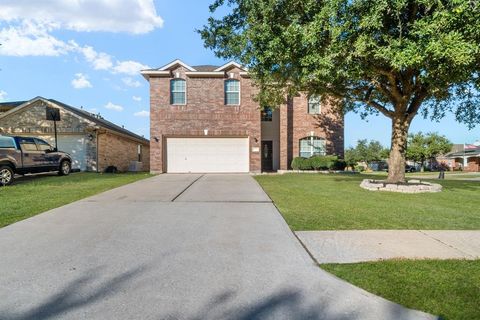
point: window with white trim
(314, 104)
(178, 91)
(312, 146)
(232, 92)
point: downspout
(97, 134)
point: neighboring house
(464, 157)
(204, 119)
(93, 142)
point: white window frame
(225, 92)
(314, 99)
(172, 92)
(312, 152)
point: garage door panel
(75, 146)
(207, 155)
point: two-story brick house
(205, 119)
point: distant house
(464, 157)
(93, 142)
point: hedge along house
(205, 119)
(93, 142)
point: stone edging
(412, 186)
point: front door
(267, 159)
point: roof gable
(86, 116)
(229, 65)
(174, 63)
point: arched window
(314, 104)
(232, 92)
(312, 146)
(178, 91)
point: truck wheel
(65, 168)
(6, 175)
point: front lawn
(449, 288)
(24, 199)
(336, 202)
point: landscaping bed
(336, 202)
(41, 193)
(448, 288)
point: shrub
(318, 162)
(360, 168)
(300, 163)
(338, 164)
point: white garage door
(74, 145)
(207, 155)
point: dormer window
(178, 92)
(314, 104)
(232, 92)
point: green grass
(336, 202)
(24, 199)
(449, 288)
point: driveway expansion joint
(183, 191)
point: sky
(89, 53)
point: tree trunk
(396, 162)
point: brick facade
(296, 123)
(115, 150)
(75, 134)
(205, 110)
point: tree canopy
(422, 147)
(365, 151)
(393, 57)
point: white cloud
(30, 39)
(136, 98)
(131, 16)
(99, 61)
(27, 30)
(3, 95)
(113, 107)
(131, 82)
(129, 67)
(81, 81)
(142, 113)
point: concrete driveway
(172, 247)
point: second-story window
(267, 114)
(232, 92)
(314, 104)
(178, 94)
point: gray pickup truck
(21, 155)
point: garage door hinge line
(191, 184)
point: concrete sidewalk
(352, 246)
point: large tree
(398, 58)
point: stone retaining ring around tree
(412, 186)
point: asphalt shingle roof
(205, 68)
(81, 113)
(99, 121)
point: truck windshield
(7, 143)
